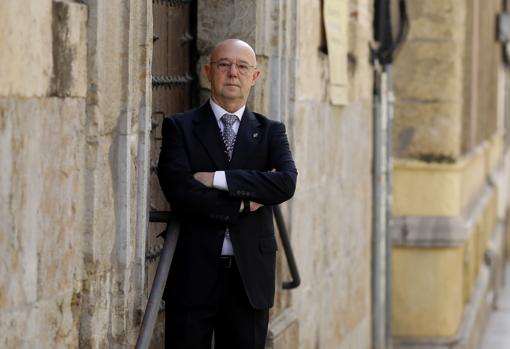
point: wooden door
(173, 89)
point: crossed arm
(193, 193)
(207, 179)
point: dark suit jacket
(192, 143)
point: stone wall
(482, 68)
(42, 139)
(74, 111)
(331, 211)
(428, 82)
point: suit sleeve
(183, 192)
(267, 187)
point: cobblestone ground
(497, 335)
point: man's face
(231, 73)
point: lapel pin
(255, 135)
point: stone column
(447, 156)
(116, 172)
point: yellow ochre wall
(449, 173)
(431, 285)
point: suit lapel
(248, 136)
(207, 131)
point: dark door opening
(173, 90)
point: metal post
(389, 200)
(379, 211)
(289, 254)
(158, 286)
(381, 262)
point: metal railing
(171, 235)
(287, 248)
(158, 285)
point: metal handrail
(165, 261)
(158, 285)
(289, 254)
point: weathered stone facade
(75, 119)
(73, 131)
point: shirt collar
(219, 111)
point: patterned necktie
(229, 136)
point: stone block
(45, 324)
(333, 307)
(311, 84)
(302, 236)
(426, 190)
(469, 270)
(331, 284)
(307, 308)
(302, 136)
(474, 175)
(42, 216)
(427, 129)
(26, 57)
(107, 68)
(95, 311)
(474, 320)
(427, 294)
(224, 19)
(438, 189)
(437, 19)
(11, 293)
(69, 49)
(61, 208)
(429, 71)
(359, 336)
(261, 92)
(100, 227)
(283, 331)
(361, 82)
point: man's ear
(207, 71)
(255, 76)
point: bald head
(232, 71)
(234, 44)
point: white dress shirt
(219, 180)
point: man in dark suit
(222, 168)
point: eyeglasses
(225, 66)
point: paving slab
(497, 334)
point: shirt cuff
(220, 181)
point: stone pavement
(497, 334)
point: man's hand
(254, 206)
(206, 178)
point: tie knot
(228, 119)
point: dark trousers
(236, 325)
